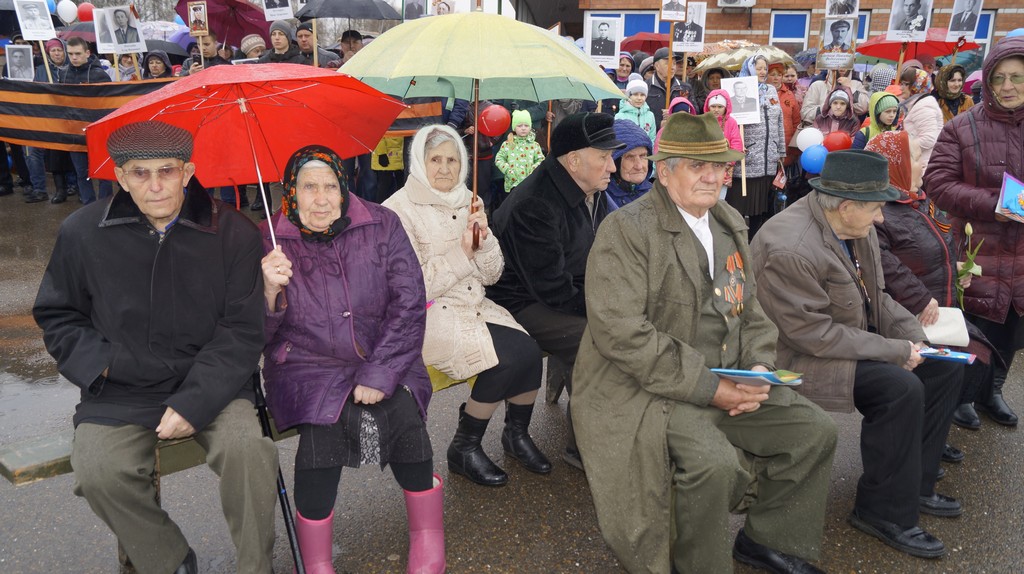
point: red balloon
(836, 141)
(85, 12)
(494, 121)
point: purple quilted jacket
(353, 313)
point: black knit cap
(307, 26)
(582, 130)
(149, 140)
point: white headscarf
(460, 194)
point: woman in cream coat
(467, 334)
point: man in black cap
(668, 300)
(656, 85)
(819, 277)
(152, 304)
(304, 37)
(545, 229)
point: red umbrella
(84, 30)
(935, 45)
(247, 121)
(645, 41)
(231, 20)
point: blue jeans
(36, 159)
(85, 190)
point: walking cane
(282, 493)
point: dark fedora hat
(695, 137)
(856, 174)
(583, 130)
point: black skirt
(389, 431)
(760, 194)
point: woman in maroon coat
(964, 177)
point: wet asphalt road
(536, 524)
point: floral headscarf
(922, 83)
(290, 203)
(750, 69)
(895, 146)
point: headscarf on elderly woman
(467, 334)
(344, 327)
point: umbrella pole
(46, 62)
(476, 153)
(899, 65)
(259, 177)
(743, 168)
(550, 124)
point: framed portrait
(19, 63)
(414, 9)
(964, 21)
(602, 36)
(909, 20)
(837, 43)
(673, 11)
(841, 8)
(117, 31)
(198, 22)
(743, 92)
(442, 7)
(34, 20)
(688, 36)
(277, 10)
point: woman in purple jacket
(345, 321)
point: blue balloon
(52, 6)
(1017, 32)
(813, 158)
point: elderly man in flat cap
(669, 298)
(152, 304)
(545, 229)
(819, 270)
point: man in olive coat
(668, 299)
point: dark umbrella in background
(362, 9)
(83, 30)
(171, 48)
(230, 20)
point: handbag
(781, 179)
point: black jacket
(656, 95)
(545, 231)
(179, 322)
(89, 73)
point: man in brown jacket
(820, 280)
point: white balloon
(809, 137)
(67, 11)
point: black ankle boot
(61, 195)
(965, 417)
(467, 457)
(189, 565)
(990, 401)
(516, 441)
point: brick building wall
(755, 26)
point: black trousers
(906, 419)
(518, 369)
(1007, 337)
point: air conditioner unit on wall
(737, 3)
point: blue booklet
(948, 355)
(1011, 199)
(787, 378)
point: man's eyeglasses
(140, 175)
(997, 81)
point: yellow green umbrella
(441, 56)
(733, 60)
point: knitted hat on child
(636, 86)
(520, 117)
(839, 95)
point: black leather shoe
(914, 540)
(189, 566)
(966, 417)
(59, 197)
(36, 197)
(940, 505)
(467, 457)
(518, 443)
(5, 190)
(760, 556)
(257, 204)
(997, 410)
(952, 454)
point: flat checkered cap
(149, 140)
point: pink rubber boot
(426, 529)
(315, 540)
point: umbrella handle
(476, 153)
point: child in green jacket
(520, 154)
